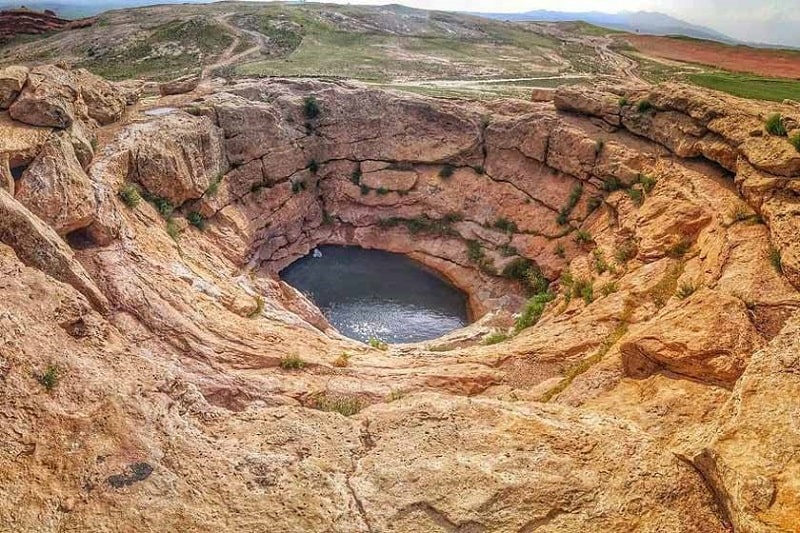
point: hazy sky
(773, 21)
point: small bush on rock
(583, 237)
(130, 195)
(504, 224)
(776, 260)
(50, 377)
(795, 140)
(345, 405)
(292, 362)
(644, 106)
(775, 126)
(532, 311)
(310, 107)
(196, 220)
(446, 172)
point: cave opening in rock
(372, 294)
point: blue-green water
(371, 293)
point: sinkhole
(369, 294)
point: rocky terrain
(632, 252)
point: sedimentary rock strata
(140, 354)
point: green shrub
(365, 190)
(479, 169)
(377, 343)
(685, 290)
(776, 260)
(775, 126)
(50, 377)
(583, 237)
(532, 311)
(648, 182)
(425, 224)
(637, 196)
(574, 197)
(583, 288)
(600, 263)
(504, 224)
(612, 183)
(162, 205)
(560, 251)
(625, 251)
(598, 146)
(679, 250)
(593, 203)
(355, 177)
(292, 362)
(310, 107)
(528, 273)
(346, 405)
(496, 337)
(508, 250)
(475, 251)
(623, 101)
(382, 191)
(446, 172)
(298, 186)
(795, 140)
(313, 166)
(644, 106)
(130, 195)
(609, 288)
(196, 220)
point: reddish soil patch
(765, 62)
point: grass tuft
(776, 260)
(292, 362)
(645, 106)
(496, 337)
(504, 224)
(378, 344)
(532, 311)
(775, 126)
(345, 405)
(583, 237)
(795, 140)
(685, 290)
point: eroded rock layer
(149, 352)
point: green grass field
(748, 86)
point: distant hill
(635, 22)
(73, 9)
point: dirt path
(228, 57)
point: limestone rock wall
(655, 393)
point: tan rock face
(177, 157)
(654, 393)
(55, 187)
(12, 79)
(707, 337)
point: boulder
(52, 97)
(105, 103)
(56, 189)
(177, 156)
(751, 460)
(12, 80)
(185, 84)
